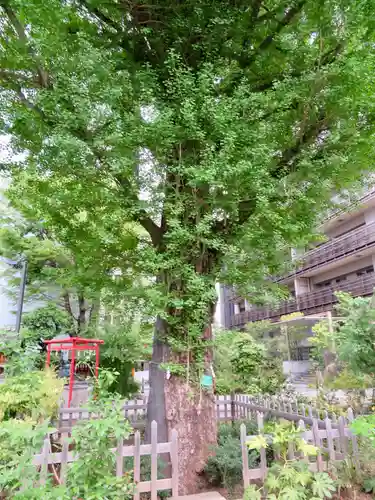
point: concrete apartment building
(345, 261)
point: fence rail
(228, 408)
(47, 458)
(134, 411)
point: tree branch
(19, 29)
(310, 134)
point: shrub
(34, 396)
(224, 467)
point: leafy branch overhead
(218, 128)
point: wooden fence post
(301, 425)
(355, 450)
(64, 457)
(245, 457)
(44, 467)
(262, 451)
(232, 407)
(174, 460)
(154, 459)
(318, 444)
(119, 458)
(137, 463)
(330, 442)
(343, 438)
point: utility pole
(21, 295)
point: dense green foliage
(33, 395)
(53, 274)
(220, 128)
(293, 482)
(91, 476)
(124, 346)
(289, 479)
(243, 365)
(219, 121)
(224, 466)
(350, 343)
(45, 323)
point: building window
(365, 270)
(341, 279)
(323, 284)
(241, 306)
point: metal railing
(348, 205)
(308, 303)
(337, 248)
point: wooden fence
(334, 444)
(134, 411)
(47, 459)
(229, 408)
(243, 407)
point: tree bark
(188, 408)
(81, 322)
(156, 400)
(192, 411)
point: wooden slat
(64, 457)
(245, 456)
(355, 449)
(318, 444)
(174, 460)
(137, 463)
(331, 444)
(44, 463)
(154, 460)
(160, 484)
(263, 459)
(343, 438)
(120, 458)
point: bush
(224, 467)
(34, 396)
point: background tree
(219, 127)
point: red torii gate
(73, 344)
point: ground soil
(353, 495)
(237, 493)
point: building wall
(7, 306)
(348, 225)
(346, 269)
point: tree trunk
(174, 404)
(192, 411)
(81, 322)
(156, 400)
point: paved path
(209, 495)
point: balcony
(348, 204)
(359, 239)
(309, 303)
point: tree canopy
(221, 128)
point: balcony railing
(338, 248)
(308, 303)
(349, 204)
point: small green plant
(365, 426)
(289, 479)
(91, 476)
(293, 481)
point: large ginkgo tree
(221, 127)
